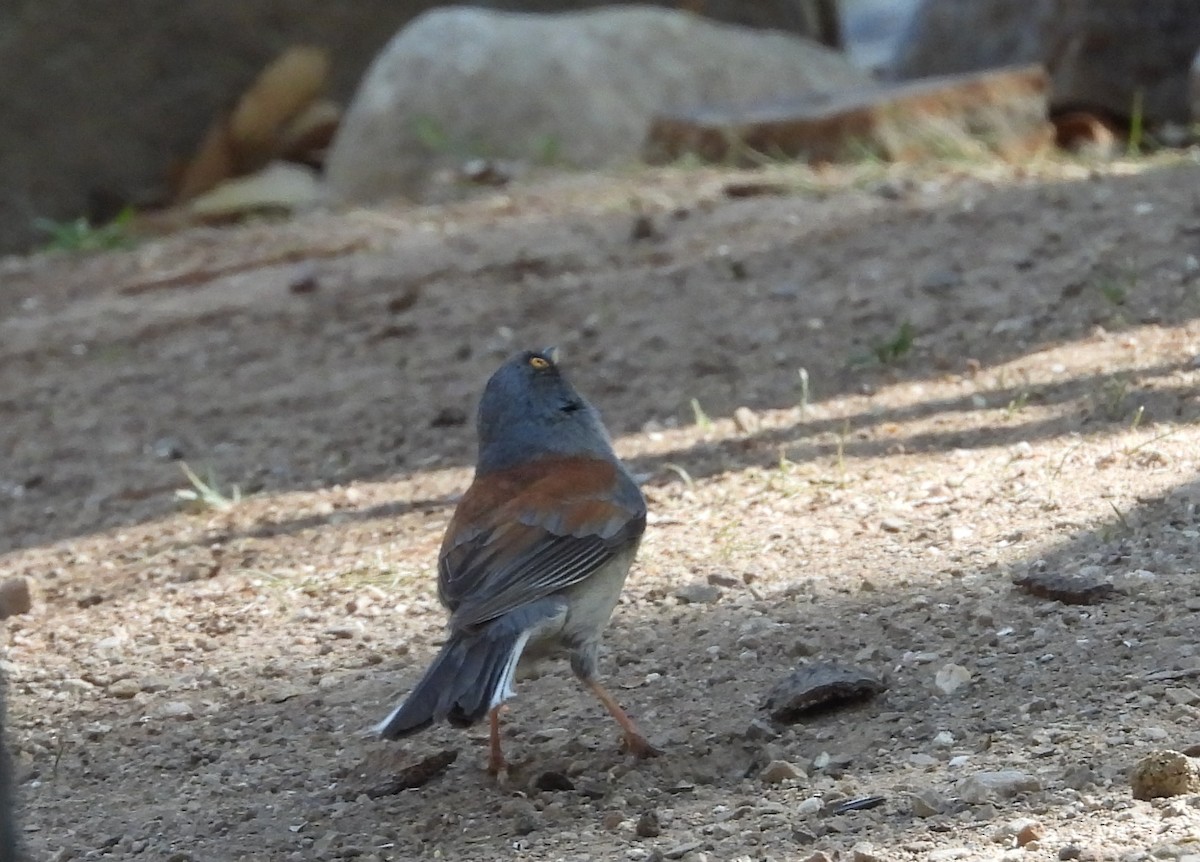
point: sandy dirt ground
(1003, 379)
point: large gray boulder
(1100, 53)
(579, 87)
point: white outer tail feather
(504, 690)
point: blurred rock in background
(103, 103)
(577, 90)
(1113, 58)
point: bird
(534, 558)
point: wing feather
(527, 533)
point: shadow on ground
(1065, 694)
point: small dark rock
(403, 302)
(14, 597)
(167, 449)
(416, 775)
(718, 579)
(1068, 589)
(761, 731)
(593, 790)
(648, 825)
(681, 850)
(697, 593)
(449, 417)
(486, 172)
(89, 600)
(941, 282)
(525, 823)
(304, 283)
(553, 782)
(754, 189)
(820, 686)
(643, 228)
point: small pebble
(648, 825)
(746, 420)
(681, 850)
(812, 805)
(986, 786)
(14, 597)
(927, 803)
(125, 688)
(778, 771)
(1029, 833)
(697, 593)
(951, 677)
(177, 709)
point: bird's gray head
(529, 409)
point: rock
(15, 597)
(1079, 777)
(778, 771)
(150, 77)
(648, 825)
(1181, 696)
(682, 849)
(449, 417)
(988, 786)
(1001, 111)
(1165, 773)
(811, 805)
(124, 688)
(176, 709)
(412, 775)
(1029, 833)
(759, 730)
(1082, 589)
(580, 88)
(864, 852)
(553, 782)
(746, 420)
(278, 187)
(822, 685)
(1003, 33)
(950, 678)
(927, 803)
(141, 88)
(948, 853)
(697, 593)
(1099, 55)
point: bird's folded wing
(526, 533)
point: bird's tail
(471, 674)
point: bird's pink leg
(496, 761)
(634, 741)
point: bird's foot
(640, 747)
(497, 765)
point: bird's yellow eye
(538, 363)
